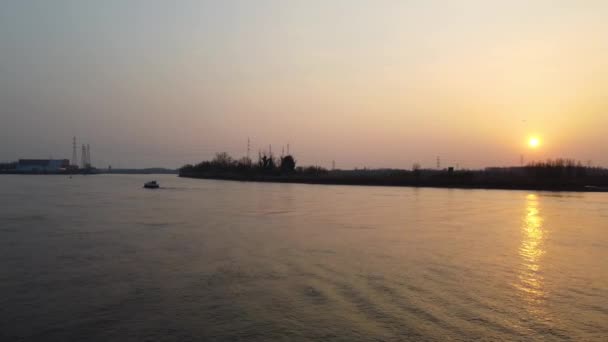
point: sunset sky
(365, 83)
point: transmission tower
(88, 155)
(438, 163)
(248, 148)
(74, 153)
(83, 157)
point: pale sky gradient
(378, 83)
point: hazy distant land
(555, 175)
(11, 168)
(146, 171)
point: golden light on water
(531, 252)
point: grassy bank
(515, 180)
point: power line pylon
(74, 153)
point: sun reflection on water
(531, 252)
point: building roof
(34, 162)
(41, 162)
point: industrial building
(53, 166)
(42, 165)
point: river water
(98, 258)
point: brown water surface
(98, 258)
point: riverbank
(149, 171)
(49, 173)
(410, 179)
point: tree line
(266, 164)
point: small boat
(151, 185)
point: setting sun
(534, 142)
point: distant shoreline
(18, 173)
(379, 181)
(399, 178)
(152, 171)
